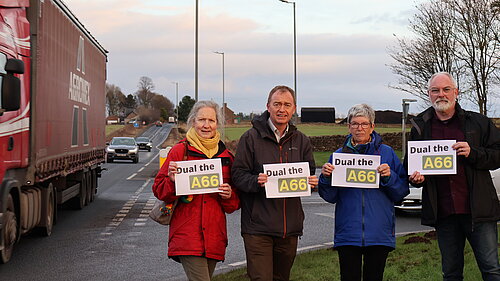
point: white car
(413, 201)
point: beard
(442, 105)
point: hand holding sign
(225, 191)
(462, 148)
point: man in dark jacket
(464, 205)
(270, 227)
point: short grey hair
(453, 81)
(361, 110)
(199, 105)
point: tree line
(149, 105)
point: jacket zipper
(362, 218)
(280, 145)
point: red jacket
(197, 228)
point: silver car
(123, 148)
(144, 143)
(413, 201)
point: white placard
(434, 157)
(198, 176)
(287, 180)
(355, 170)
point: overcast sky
(342, 47)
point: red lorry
(52, 116)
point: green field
(112, 128)
(234, 132)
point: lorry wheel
(48, 212)
(9, 231)
(93, 184)
(82, 198)
(88, 177)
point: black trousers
(372, 258)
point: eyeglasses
(446, 90)
(278, 105)
(363, 125)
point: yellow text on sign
(204, 181)
(292, 184)
(437, 162)
(361, 175)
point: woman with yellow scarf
(198, 236)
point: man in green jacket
(465, 205)
(270, 227)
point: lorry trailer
(52, 116)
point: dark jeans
(268, 257)
(483, 238)
(372, 257)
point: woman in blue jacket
(364, 217)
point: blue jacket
(365, 216)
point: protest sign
(198, 176)
(287, 180)
(435, 157)
(355, 170)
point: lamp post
(294, 50)
(406, 106)
(176, 101)
(196, 54)
(223, 101)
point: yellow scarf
(209, 147)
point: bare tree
(114, 99)
(457, 36)
(145, 92)
(432, 50)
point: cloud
(155, 39)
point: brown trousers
(198, 268)
(269, 258)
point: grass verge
(416, 257)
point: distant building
(386, 117)
(112, 120)
(229, 115)
(317, 114)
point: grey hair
(361, 110)
(453, 81)
(199, 105)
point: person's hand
(313, 181)
(327, 169)
(462, 148)
(417, 178)
(226, 191)
(262, 179)
(384, 170)
(172, 170)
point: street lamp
(196, 54)
(176, 101)
(406, 106)
(223, 101)
(294, 50)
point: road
(113, 239)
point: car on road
(122, 148)
(158, 123)
(144, 143)
(413, 201)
